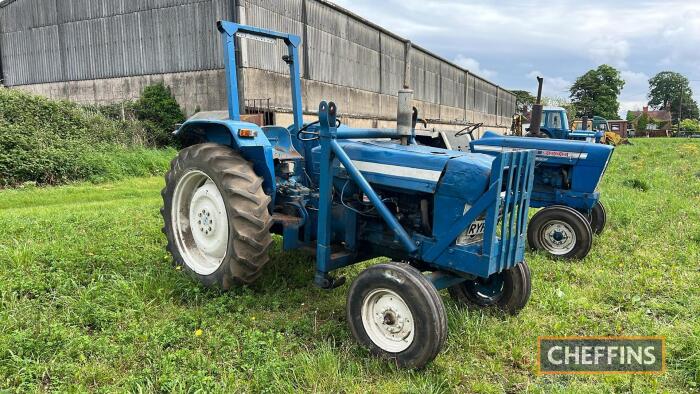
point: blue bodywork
(555, 124)
(353, 195)
(567, 172)
(460, 188)
(226, 131)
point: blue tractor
(567, 175)
(555, 124)
(447, 219)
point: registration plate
(474, 233)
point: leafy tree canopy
(523, 98)
(690, 125)
(596, 92)
(671, 91)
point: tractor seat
(281, 141)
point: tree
(523, 98)
(670, 91)
(596, 92)
(642, 122)
(561, 102)
(159, 112)
(691, 125)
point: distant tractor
(567, 176)
(555, 124)
(447, 219)
(596, 123)
(614, 131)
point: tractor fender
(256, 149)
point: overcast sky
(512, 41)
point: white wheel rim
(558, 237)
(387, 320)
(200, 222)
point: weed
(636, 184)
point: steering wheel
(314, 134)
(469, 130)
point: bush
(690, 126)
(51, 142)
(159, 112)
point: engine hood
(548, 150)
(417, 168)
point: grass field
(90, 301)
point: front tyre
(508, 290)
(395, 312)
(561, 231)
(216, 217)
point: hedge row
(51, 142)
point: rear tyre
(561, 231)
(395, 312)
(216, 216)
(508, 290)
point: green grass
(90, 301)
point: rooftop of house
(656, 115)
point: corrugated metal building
(98, 51)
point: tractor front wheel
(561, 231)
(597, 217)
(508, 290)
(217, 223)
(395, 312)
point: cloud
(634, 94)
(607, 50)
(631, 106)
(507, 39)
(552, 86)
(473, 66)
(634, 79)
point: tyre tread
(246, 204)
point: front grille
(509, 223)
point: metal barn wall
(108, 50)
(70, 40)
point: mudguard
(205, 127)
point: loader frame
(505, 205)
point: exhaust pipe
(536, 118)
(404, 116)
